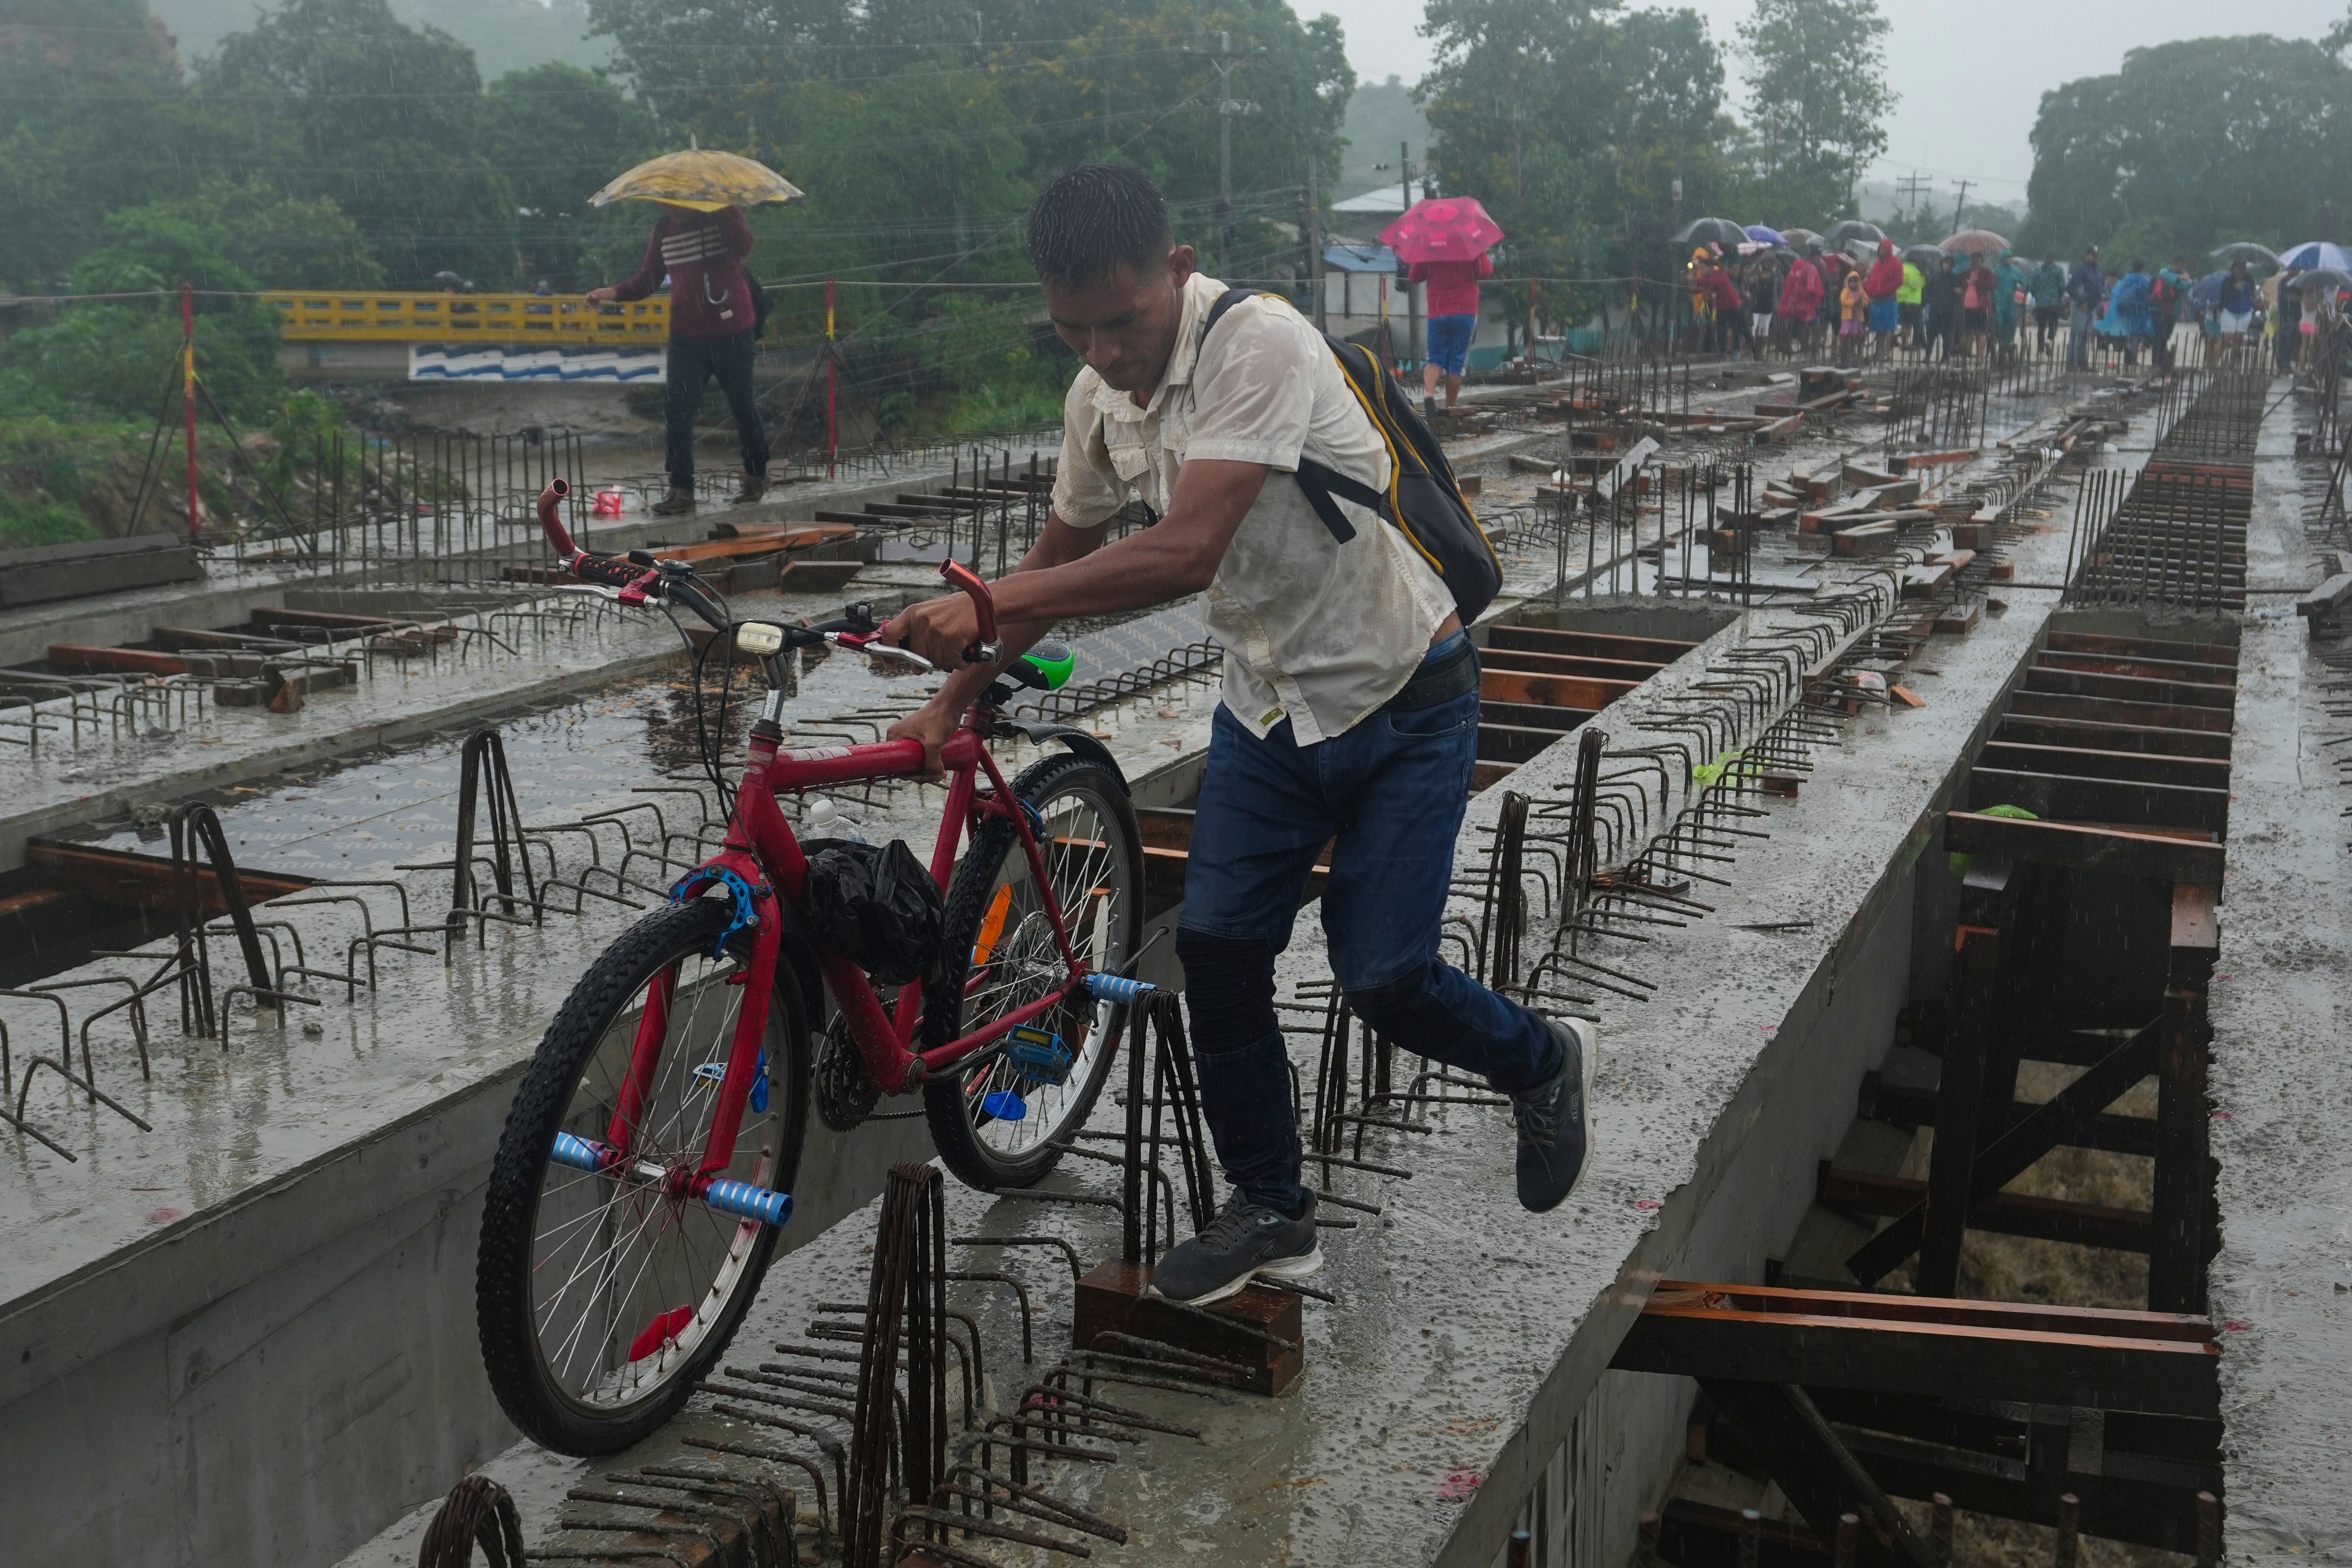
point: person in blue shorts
(1452, 322)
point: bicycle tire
(953, 1100)
(513, 1352)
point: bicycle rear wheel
(995, 1123)
(602, 1296)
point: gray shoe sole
(1300, 1267)
(1587, 1040)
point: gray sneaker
(1243, 1242)
(1555, 1119)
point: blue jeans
(2078, 338)
(1392, 791)
(1449, 341)
(692, 363)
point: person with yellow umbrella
(716, 311)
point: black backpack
(1423, 501)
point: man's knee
(1388, 1007)
(1229, 987)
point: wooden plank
(1552, 690)
(1656, 651)
(121, 878)
(326, 620)
(1482, 775)
(2161, 1363)
(2004, 1214)
(2082, 762)
(1908, 1107)
(2148, 669)
(2075, 733)
(1533, 715)
(2223, 654)
(1567, 664)
(2130, 688)
(2065, 798)
(2324, 599)
(2104, 849)
(2113, 711)
(84, 658)
(1512, 742)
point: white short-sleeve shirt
(1318, 630)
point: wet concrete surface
(1465, 1366)
(1435, 1403)
(2280, 1004)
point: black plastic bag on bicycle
(876, 906)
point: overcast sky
(1971, 74)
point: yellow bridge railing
(310, 315)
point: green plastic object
(1052, 662)
(1959, 864)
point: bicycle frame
(761, 851)
(760, 865)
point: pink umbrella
(1443, 228)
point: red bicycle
(656, 1139)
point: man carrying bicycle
(1350, 705)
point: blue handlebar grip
(1117, 988)
(579, 1153)
(744, 1201)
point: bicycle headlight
(759, 638)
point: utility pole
(1913, 184)
(1961, 206)
(1312, 230)
(1222, 59)
(1414, 349)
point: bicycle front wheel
(602, 1296)
(995, 1123)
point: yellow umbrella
(700, 178)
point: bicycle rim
(627, 1282)
(1090, 865)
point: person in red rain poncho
(1884, 281)
(1800, 296)
(1722, 291)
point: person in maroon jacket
(713, 321)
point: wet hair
(1091, 219)
(2138, 266)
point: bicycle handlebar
(988, 648)
(637, 581)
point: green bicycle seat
(1046, 667)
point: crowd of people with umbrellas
(1852, 294)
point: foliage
(1086, 81)
(1571, 119)
(559, 134)
(259, 233)
(2197, 143)
(87, 90)
(384, 119)
(1818, 97)
(44, 465)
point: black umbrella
(2322, 281)
(1924, 256)
(1719, 231)
(1847, 230)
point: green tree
(340, 100)
(278, 241)
(559, 134)
(1818, 96)
(2195, 143)
(1571, 121)
(87, 88)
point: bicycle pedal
(1038, 1055)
